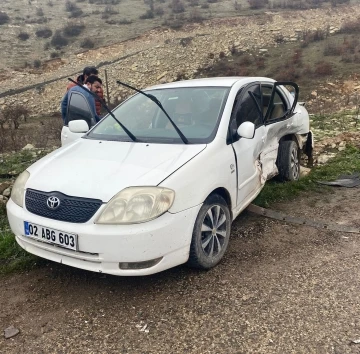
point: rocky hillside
(163, 55)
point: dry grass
(41, 132)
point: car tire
(211, 233)
(288, 161)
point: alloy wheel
(213, 231)
(295, 167)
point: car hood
(101, 169)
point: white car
(144, 190)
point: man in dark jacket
(93, 84)
(81, 79)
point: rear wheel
(211, 233)
(288, 161)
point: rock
(11, 332)
(314, 94)
(7, 192)
(4, 186)
(323, 159)
(28, 147)
(3, 200)
(161, 76)
(304, 171)
(263, 50)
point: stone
(4, 186)
(323, 159)
(161, 76)
(314, 94)
(3, 200)
(304, 171)
(11, 332)
(7, 192)
(28, 147)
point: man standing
(93, 84)
(81, 79)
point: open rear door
(290, 111)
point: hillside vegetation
(48, 29)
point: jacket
(80, 80)
(85, 92)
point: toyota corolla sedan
(159, 181)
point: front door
(247, 107)
(78, 109)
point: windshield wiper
(155, 100)
(131, 135)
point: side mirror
(78, 126)
(246, 130)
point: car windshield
(196, 112)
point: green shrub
(177, 6)
(73, 29)
(39, 12)
(54, 55)
(76, 13)
(125, 21)
(58, 40)
(37, 63)
(257, 4)
(147, 15)
(323, 68)
(44, 32)
(4, 18)
(23, 36)
(87, 43)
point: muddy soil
(281, 288)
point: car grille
(71, 209)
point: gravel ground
(280, 289)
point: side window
(78, 109)
(248, 109)
(277, 110)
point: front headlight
(18, 190)
(137, 204)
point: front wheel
(288, 161)
(211, 233)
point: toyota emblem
(53, 203)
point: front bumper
(103, 247)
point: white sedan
(159, 182)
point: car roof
(213, 81)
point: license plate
(45, 234)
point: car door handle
(263, 138)
(289, 125)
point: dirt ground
(281, 288)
